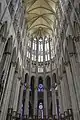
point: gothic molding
(3, 39)
(60, 78)
(9, 44)
(7, 53)
(72, 54)
(70, 44)
(13, 63)
(16, 71)
(3, 29)
(19, 78)
(53, 86)
(22, 83)
(66, 63)
(64, 71)
(76, 38)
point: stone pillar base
(9, 114)
(18, 116)
(68, 114)
(25, 117)
(54, 117)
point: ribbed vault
(40, 16)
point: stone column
(44, 82)
(16, 97)
(12, 100)
(36, 97)
(75, 12)
(45, 98)
(76, 75)
(72, 90)
(2, 46)
(7, 93)
(74, 67)
(53, 101)
(77, 44)
(60, 98)
(65, 93)
(13, 91)
(21, 93)
(20, 97)
(6, 66)
(52, 84)
(66, 14)
(5, 72)
(3, 39)
(36, 82)
(26, 109)
(62, 94)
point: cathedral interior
(39, 59)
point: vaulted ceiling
(40, 16)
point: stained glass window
(40, 112)
(40, 88)
(40, 106)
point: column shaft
(13, 91)
(36, 82)
(7, 94)
(36, 98)
(60, 98)
(44, 82)
(53, 102)
(52, 84)
(26, 109)
(2, 47)
(77, 44)
(76, 75)
(21, 98)
(65, 93)
(6, 70)
(16, 97)
(45, 100)
(74, 101)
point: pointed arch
(8, 46)
(54, 78)
(48, 82)
(26, 78)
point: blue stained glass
(25, 86)
(40, 88)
